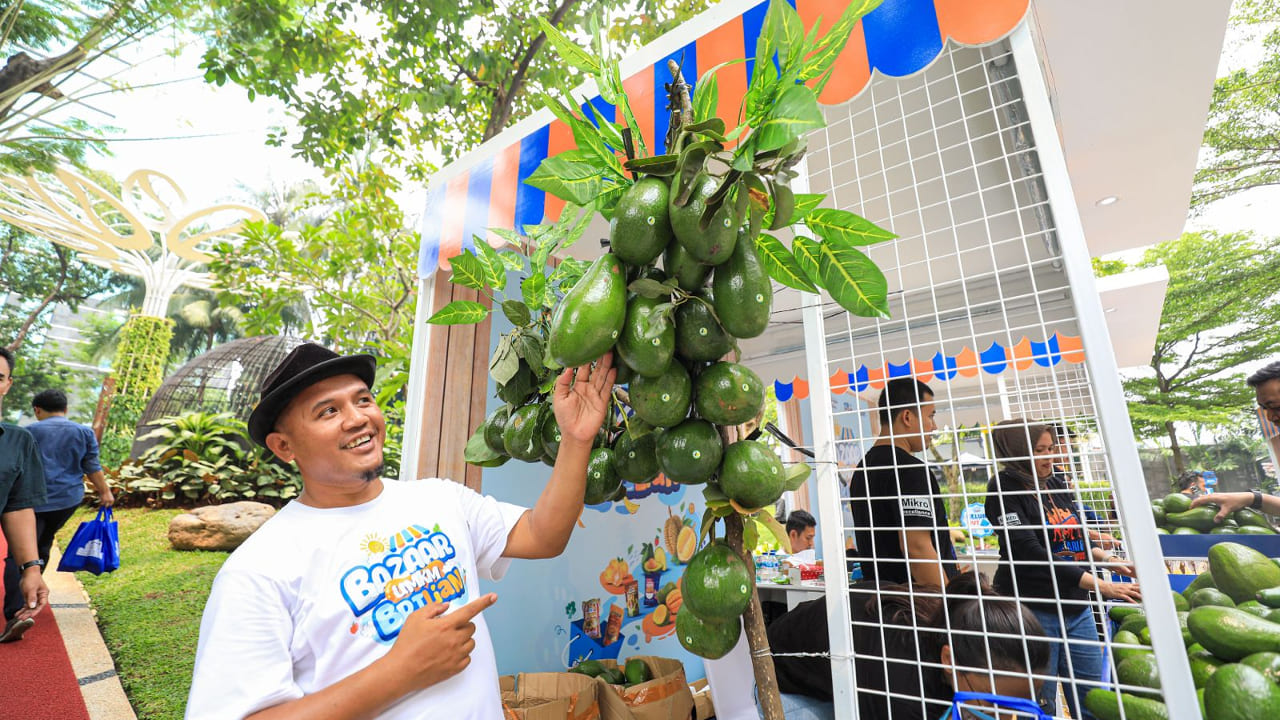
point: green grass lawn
(149, 610)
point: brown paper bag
(665, 697)
(702, 707)
(553, 696)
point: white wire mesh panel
(981, 310)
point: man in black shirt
(899, 514)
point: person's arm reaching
(1230, 502)
(93, 470)
(430, 649)
(922, 557)
(580, 405)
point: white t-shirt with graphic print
(317, 594)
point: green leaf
(505, 363)
(775, 528)
(707, 525)
(530, 349)
(796, 476)
(805, 204)
(788, 31)
(460, 312)
(782, 265)
(578, 183)
(853, 280)
(750, 536)
(607, 129)
(517, 312)
(650, 288)
(845, 227)
(512, 260)
(805, 251)
(568, 51)
(469, 271)
(706, 96)
(511, 236)
(795, 113)
(829, 46)
(534, 289)
(637, 137)
(478, 451)
(492, 263)
(659, 165)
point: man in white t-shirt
(360, 599)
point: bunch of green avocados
(633, 673)
(1175, 516)
(1230, 618)
(688, 273)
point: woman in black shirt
(912, 651)
(1045, 554)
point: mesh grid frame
(945, 160)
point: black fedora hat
(307, 365)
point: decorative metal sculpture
(147, 231)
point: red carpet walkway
(36, 679)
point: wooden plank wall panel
(433, 397)
(454, 397)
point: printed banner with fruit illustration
(899, 38)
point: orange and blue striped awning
(899, 38)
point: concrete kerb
(92, 664)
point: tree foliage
(1242, 136)
(1221, 311)
(355, 271)
(38, 276)
(48, 44)
(421, 81)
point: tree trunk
(1179, 465)
(753, 626)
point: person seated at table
(926, 645)
(801, 529)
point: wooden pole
(753, 626)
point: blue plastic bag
(1022, 706)
(95, 547)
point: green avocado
(1105, 705)
(550, 435)
(590, 668)
(613, 676)
(1120, 643)
(728, 394)
(1203, 580)
(1254, 530)
(751, 474)
(1249, 516)
(1232, 634)
(522, 436)
(648, 338)
(1200, 519)
(1140, 671)
(602, 479)
(635, 458)
(1240, 692)
(493, 427)
(1176, 503)
(699, 336)
(1203, 664)
(1240, 571)
(1267, 663)
(690, 452)
(690, 274)
(637, 672)
(1186, 531)
(1210, 596)
(588, 320)
(1158, 513)
(743, 292)
(664, 400)
(710, 245)
(641, 227)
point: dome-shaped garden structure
(225, 379)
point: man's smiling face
(334, 431)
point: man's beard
(370, 475)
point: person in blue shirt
(69, 452)
(21, 489)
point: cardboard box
(665, 697)
(702, 707)
(551, 696)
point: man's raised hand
(582, 398)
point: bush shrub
(203, 458)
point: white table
(792, 594)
